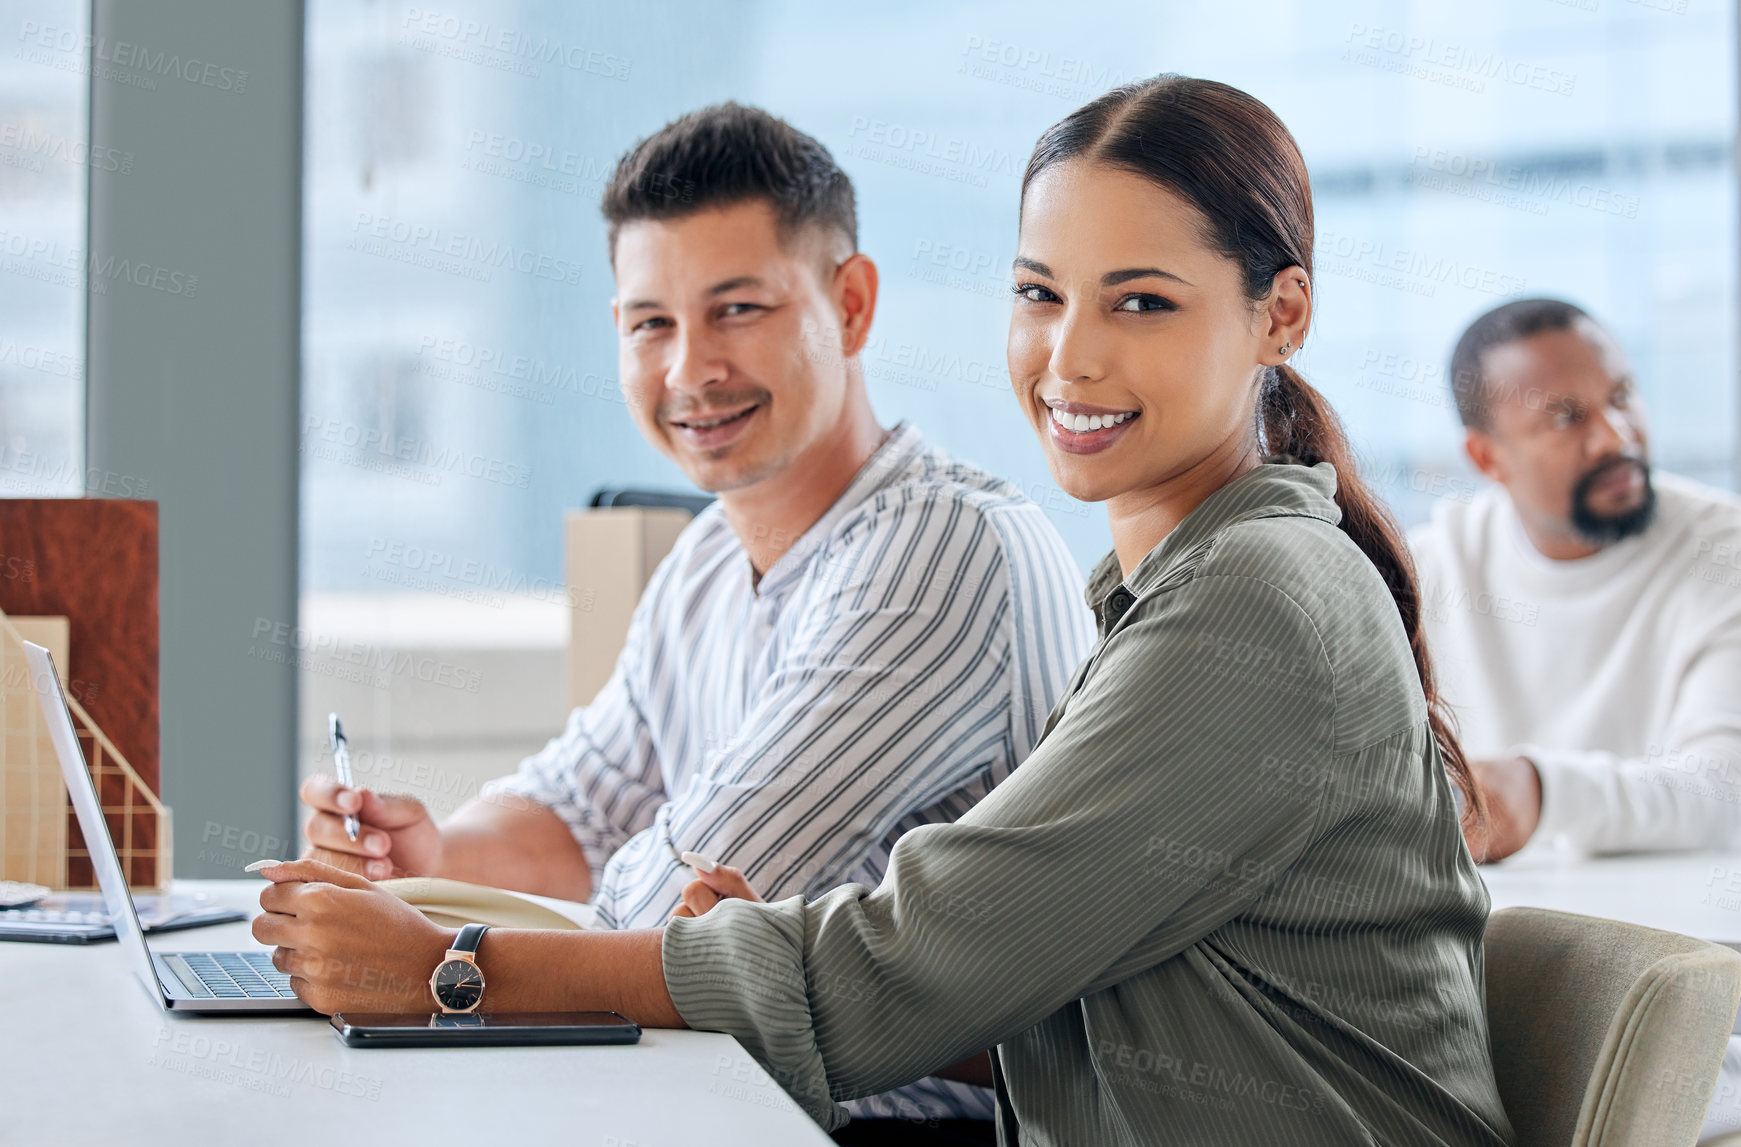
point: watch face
(459, 984)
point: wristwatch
(458, 982)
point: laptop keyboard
(239, 975)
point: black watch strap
(469, 937)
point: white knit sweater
(1618, 674)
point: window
(45, 157)
(461, 386)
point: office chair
(608, 496)
(1605, 1034)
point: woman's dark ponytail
(1229, 156)
(1298, 421)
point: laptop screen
(90, 813)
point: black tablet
(484, 1029)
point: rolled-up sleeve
(1131, 832)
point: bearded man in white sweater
(1584, 612)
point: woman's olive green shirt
(1225, 900)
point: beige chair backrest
(610, 555)
(1605, 1034)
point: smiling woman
(1292, 955)
(1213, 199)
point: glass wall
(460, 385)
(45, 158)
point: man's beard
(1605, 528)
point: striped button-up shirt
(895, 663)
(1224, 901)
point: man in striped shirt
(860, 637)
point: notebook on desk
(454, 904)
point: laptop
(182, 981)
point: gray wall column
(194, 386)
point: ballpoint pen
(341, 760)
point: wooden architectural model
(79, 576)
(40, 842)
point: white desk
(1695, 893)
(88, 1058)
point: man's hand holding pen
(396, 835)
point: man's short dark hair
(1502, 325)
(724, 155)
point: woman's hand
(346, 944)
(721, 884)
